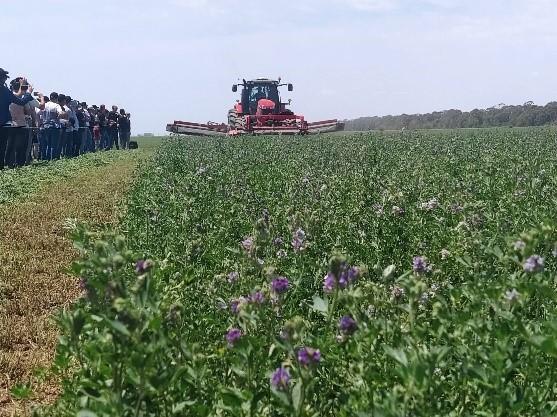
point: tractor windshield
(258, 91)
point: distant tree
(527, 114)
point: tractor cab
(253, 92)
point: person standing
(113, 127)
(124, 129)
(7, 97)
(40, 137)
(24, 120)
(103, 124)
(53, 112)
(76, 137)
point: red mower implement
(259, 111)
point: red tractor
(259, 111)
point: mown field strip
(35, 254)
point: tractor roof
(262, 81)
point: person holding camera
(7, 97)
(23, 122)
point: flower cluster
(298, 240)
(534, 263)
(345, 275)
(347, 325)
(279, 285)
(420, 265)
(233, 277)
(430, 205)
(309, 356)
(233, 336)
(143, 265)
(280, 379)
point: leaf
(86, 413)
(297, 395)
(496, 250)
(119, 327)
(177, 408)
(281, 396)
(320, 305)
(389, 271)
(397, 354)
(21, 392)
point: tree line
(527, 114)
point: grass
(36, 254)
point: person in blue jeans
(51, 123)
(7, 98)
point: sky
(171, 60)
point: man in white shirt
(52, 131)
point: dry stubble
(35, 254)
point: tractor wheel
(232, 119)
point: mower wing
(325, 126)
(197, 129)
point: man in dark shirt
(113, 127)
(103, 124)
(124, 129)
(7, 98)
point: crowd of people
(34, 126)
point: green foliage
(436, 305)
(499, 116)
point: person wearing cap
(7, 97)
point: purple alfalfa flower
(281, 253)
(142, 266)
(297, 244)
(347, 325)
(233, 277)
(233, 336)
(279, 285)
(247, 244)
(298, 239)
(534, 263)
(329, 283)
(257, 297)
(236, 304)
(309, 356)
(278, 241)
(420, 265)
(353, 274)
(280, 379)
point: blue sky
(177, 59)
